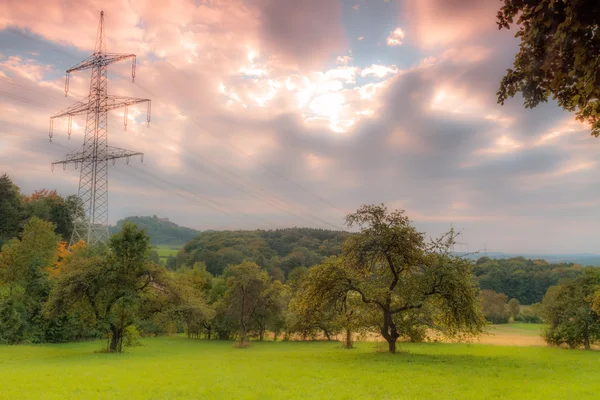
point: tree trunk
(389, 331)
(115, 340)
(208, 333)
(586, 340)
(348, 343)
(261, 334)
(326, 332)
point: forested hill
(521, 278)
(282, 249)
(160, 230)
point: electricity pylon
(460, 244)
(92, 225)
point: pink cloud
(446, 22)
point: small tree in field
(494, 306)
(394, 272)
(514, 308)
(245, 296)
(570, 311)
(113, 286)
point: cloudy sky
(278, 113)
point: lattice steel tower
(92, 225)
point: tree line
(385, 279)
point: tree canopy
(395, 273)
(558, 55)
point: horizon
(258, 123)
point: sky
(280, 113)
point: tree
(395, 273)
(514, 308)
(494, 306)
(245, 295)
(24, 266)
(193, 286)
(11, 209)
(324, 301)
(570, 311)
(112, 286)
(558, 55)
(49, 206)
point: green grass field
(165, 250)
(181, 368)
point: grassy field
(165, 250)
(181, 368)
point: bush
(528, 318)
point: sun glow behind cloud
(332, 96)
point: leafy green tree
(395, 272)
(494, 306)
(49, 206)
(112, 287)
(514, 308)
(324, 301)
(24, 265)
(558, 55)
(193, 286)
(245, 296)
(570, 313)
(11, 209)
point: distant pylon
(460, 244)
(95, 152)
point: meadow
(165, 250)
(180, 368)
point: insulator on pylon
(52, 167)
(114, 161)
(125, 118)
(127, 160)
(149, 113)
(133, 70)
(64, 166)
(70, 127)
(51, 131)
(66, 84)
(142, 157)
(76, 165)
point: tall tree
(245, 295)
(558, 56)
(49, 206)
(24, 266)
(113, 286)
(11, 209)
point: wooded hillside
(160, 230)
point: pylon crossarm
(88, 63)
(110, 58)
(113, 102)
(72, 158)
(114, 153)
(79, 108)
(99, 60)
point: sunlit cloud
(395, 38)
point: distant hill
(285, 249)
(160, 230)
(584, 259)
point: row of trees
(387, 278)
(384, 279)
